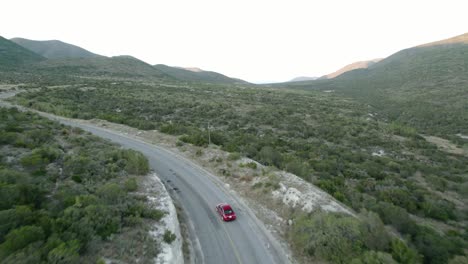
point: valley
(384, 143)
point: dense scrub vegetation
(64, 194)
(344, 239)
(423, 87)
(345, 147)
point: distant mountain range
(196, 75)
(54, 49)
(54, 57)
(303, 78)
(350, 67)
(347, 68)
(13, 55)
(425, 86)
(118, 66)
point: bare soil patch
(446, 145)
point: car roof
(225, 206)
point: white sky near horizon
(258, 40)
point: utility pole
(209, 135)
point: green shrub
(403, 254)
(169, 237)
(197, 139)
(402, 130)
(459, 260)
(332, 237)
(111, 193)
(251, 165)
(136, 162)
(373, 257)
(67, 253)
(34, 160)
(257, 185)
(375, 236)
(20, 238)
(234, 156)
(131, 185)
(154, 214)
(77, 179)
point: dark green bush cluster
(62, 190)
(344, 239)
(169, 237)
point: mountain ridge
(352, 66)
(58, 57)
(196, 75)
(460, 39)
(425, 86)
(303, 78)
(13, 55)
(54, 49)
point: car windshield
(228, 211)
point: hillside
(62, 61)
(54, 49)
(303, 78)
(115, 67)
(13, 55)
(350, 67)
(36, 68)
(450, 41)
(425, 87)
(196, 75)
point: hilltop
(56, 61)
(196, 75)
(13, 55)
(350, 67)
(118, 66)
(54, 49)
(461, 39)
(303, 78)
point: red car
(226, 212)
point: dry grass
(446, 145)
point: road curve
(243, 241)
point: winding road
(243, 241)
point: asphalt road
(243, 241)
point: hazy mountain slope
(119, 66)
(13, 55)
(303, 78)
(422, 65)
(455, 40)
(196, 75)
(425, 86)
(350, 67)
(54, 49)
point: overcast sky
(255, 40)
